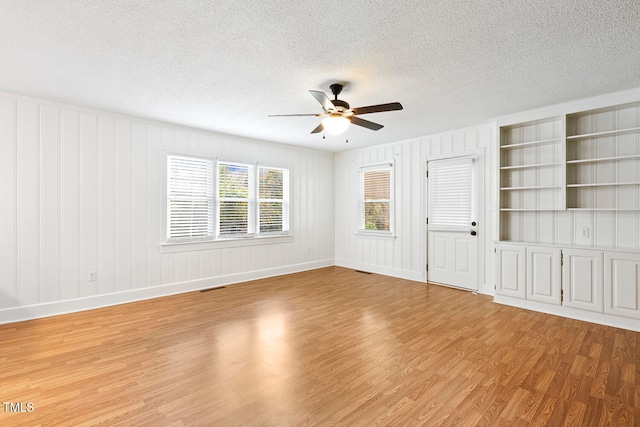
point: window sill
(376, 234)
(171, 247)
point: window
(189, 198)
(376, 204)
(273, 200)
(450, 202)
(234, 199)
(209, 200)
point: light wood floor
(326, 347)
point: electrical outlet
(92, 276)
(584, 232)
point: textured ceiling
(225, 65)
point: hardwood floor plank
(323, 347)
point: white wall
(405, 256)
(84, 190)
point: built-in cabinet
(569, 212)
(599, 281)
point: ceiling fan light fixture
(335, 124)
(339, 115)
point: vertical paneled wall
(84, 191)
(405, 255)
(400, 256)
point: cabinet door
(543, 274)
(510, 268)
(621, 282)
(582, 279)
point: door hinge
(427, 174)
(561, 258)
(427, 267)
(561, 296)
(427, 221)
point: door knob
(473, 233)
(473, 224)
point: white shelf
(529, 144)
(527, 210)
(605, 133)
(602, 184)
(604, 209)
(536, 165)
(604, 159)
(532, 187)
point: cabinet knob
(473, 233)
(473, 224)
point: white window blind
(377, 199)
(189, 198)
(450, 195)
(210, 200)
(235, 199)
(273, 199)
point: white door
(452, 242)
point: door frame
(478, 156)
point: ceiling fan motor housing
(339, 103)
(336, 88)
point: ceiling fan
(338, 114)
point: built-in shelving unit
(532, 169)
(603, 159)
(569, 232)
(582, 161)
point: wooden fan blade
(365, 123)
(294, 115)
(392, 106)
(318, 129)
(323, 99)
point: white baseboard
(571, 313)
(486, 289)
(386, 271)
(36, 311)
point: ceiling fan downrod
(336, 88)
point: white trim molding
(36, 311)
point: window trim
(362, 231)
